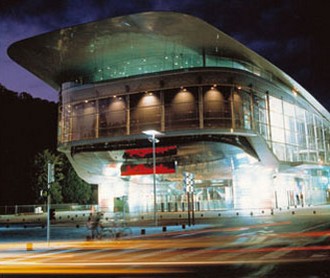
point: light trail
(168, 253)
(50, 262)
(133, 267)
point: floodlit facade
(251, 135)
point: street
(267, 246)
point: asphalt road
(265, 246)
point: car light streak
(211, 257)
(172, 252)
(129, 267)
(150, 243)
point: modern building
(251, 136)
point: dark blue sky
(290, 34)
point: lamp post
(152, 138)
(50, 180)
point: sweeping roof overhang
(133, 45)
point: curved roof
(138, 44)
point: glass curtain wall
(297, 134)
(293, 133)
(112, 116)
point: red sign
(147, 169)
(147, 152)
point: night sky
(293, 35)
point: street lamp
(152, 138)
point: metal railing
(39, 208)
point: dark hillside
(28, 126)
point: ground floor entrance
(246, 188)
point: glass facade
(297, 134)
(162, 61)
(294, 133)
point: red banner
(147, 169)
(147, 152)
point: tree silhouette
(40, 179)
(67, 187)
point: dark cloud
(289, 33)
